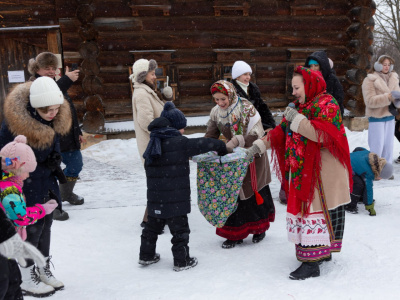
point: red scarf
(302, 157)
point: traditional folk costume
(313, 164)
(256, 208)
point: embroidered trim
(308, 230)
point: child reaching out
(168, 185)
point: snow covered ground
(95, 252)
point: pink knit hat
(20, 149)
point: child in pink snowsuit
(17, 161)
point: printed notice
(16, 76)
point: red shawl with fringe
(300, 156)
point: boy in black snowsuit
(168, 185)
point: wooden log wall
(202, 38)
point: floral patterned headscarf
(239, 115)
(300, 157)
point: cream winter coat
(376, 94)
(146, 107)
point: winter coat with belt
(168, 182)
(376, 94)
(254, 97)
(70, 141)
(42, 137)
(333, 85)
(146, 106)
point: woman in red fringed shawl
(312, 161)
(240, 123)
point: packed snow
(95, 253)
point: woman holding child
(240, 123)
(312, 161)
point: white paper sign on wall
(16, 76)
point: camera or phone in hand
(74, 67)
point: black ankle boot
(306, 270)
(258, 237)
(230, 244)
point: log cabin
(194, 42)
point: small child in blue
(367, 167)
(168, 185)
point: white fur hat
(239, 68)
(45, 92)
(140, 69)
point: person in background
(311, 152)
(45, 64)
(245, 89)
(240, 123)
(168, 185)
(147, 103)
(367, 167)
(38, 111)
(319, 61)
(378, 89)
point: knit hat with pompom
(19, 149)
(174, 115)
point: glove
(371, 209)
(167, 92)
(233, 143)
(290, 113)
(396, 98)
(49, 206)
(250, 152)
(53, 160)
(16, 248)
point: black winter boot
(306, 270)
(66, 191)
(230, 244)
(258, 237)
(60, 215)
(146, 262)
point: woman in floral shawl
(312, 160)
(240, 123)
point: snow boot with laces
(32, 285)
(67, 194)
(191, 262)
(48, 278)
(306, 270)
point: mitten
(371, 209)
(16, 248)
(253, 150)
(396, 98)
(49, 206)
(290, 113)
(167, 92)
(233, 143)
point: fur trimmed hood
(20, 121)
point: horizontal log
(356, 76)
(360, 14)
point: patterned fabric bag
(219, 180)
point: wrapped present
(219, 180)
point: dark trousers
(10, 280)
(179, 228)
(359, 193)
(73, 162)
(39, 235)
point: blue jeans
(73, 161)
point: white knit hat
(239, 68)
(140, 69)
(45, 92)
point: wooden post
(53, 41)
